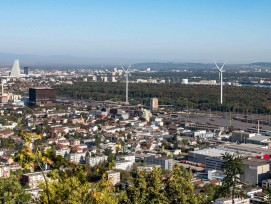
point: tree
(72, 190)
(30, 156)
(233, 168)
(268, 197)
(7, 142)
(178, 187)
(137, 191)
(156, 191)
(185, 142)
(155, 187)
(210, 191)
(11, 191)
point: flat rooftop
(256, 149)
(212, 152)
(217, 152)
(40, 87)
(255, 162)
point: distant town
(113, 139)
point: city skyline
(138, 31)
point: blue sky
(162, 30)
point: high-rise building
(26, 70)
(42, 96)
(154, 104)
(15, 71)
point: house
(33, 179)
(6, 133)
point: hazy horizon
(7, 59)
(114, 32)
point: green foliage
(3, 121)
(30, 157)
(11, 191)
(233, 168)
(241, 99)
(71, 191)
(155, 187)
(7, 142)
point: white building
(77, 158)
(4, 171)
(15, 71)
(129, 157)
(148, 168)
(123, 165)
(62, 152)
(266, 184)
(92, 161)
(184, 81)
(229, 201)
(114, 176)
(33, 179)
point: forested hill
(239, 99)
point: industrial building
(255, 171)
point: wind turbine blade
(128, 68)
(216, 65)
(123, 68)
(223, 66)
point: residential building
(229, 201)
(33, 179)
(164, 162)
(78, 158)
(148, 167)
(4, 171)
(92, 161)
(123, 165)
(128, 157)
(154, 104)
(114, 176)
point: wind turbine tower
(220, 69)
(127, 82)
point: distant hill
(66, 61)
(261, 64)
(170, 66)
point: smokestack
(2, 87)
(258, 127)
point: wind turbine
(220, 69)
(127, 81)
